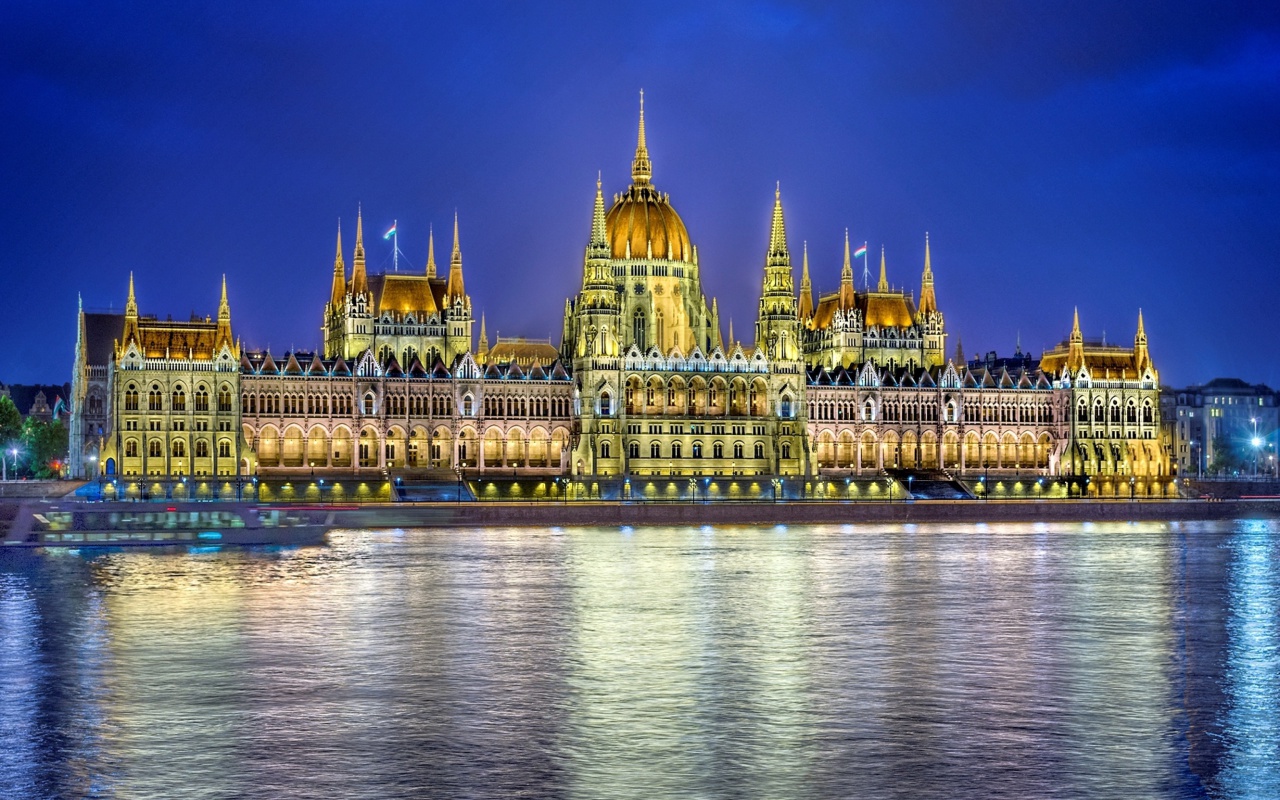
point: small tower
(806, 288)
(130, 332)
(1075, 344)
(882, 285)
(223, 336)
(846, 277)
(482, 349)
(431, 252)
(928, 302)
(457, 304)
(777, 327)
(1141, 356)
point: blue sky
(1107, 155)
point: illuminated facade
(851, 384)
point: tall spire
(130, 316)
(846, 277)
(131, 303)
(431, 252)
(339, 274)
(928, 301)
(1075, 344)
(482, 349)
(455, 288)
(883, 284)
(599, 244)
(960, 361)
(359, 280)
(806, 288)
(1141, 356)
(641, 168)
(778, 253)
(224, 308)
(224, 319)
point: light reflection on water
(1111, 660)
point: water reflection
(925, 661)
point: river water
(928, 661)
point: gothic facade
(643, 383)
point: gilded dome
(641, 217)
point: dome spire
(883, 284)
(641, 168)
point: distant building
(1215, 426)
(37, 401)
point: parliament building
(850, 388)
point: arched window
(655, 450)
(759, 450)
(202, 448)
(466, 405)
(697, 449)
(224, 448)
(676, 450)
(1115, 411)
(633, 450)
(368, 404)
(786, 450)
(1098, 415)
(131, 448)
(1146, 412)
(131, 398)
(179, 448)
(155, 400)
(658, 330)
(154, 450)
(202, 398)
(638, 331)
(717, 450)
(868, 411)
(179, 399)
(737, 450)
(606, 404)
(785, 409)
(604, 449)
(224, 398)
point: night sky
(1106, 155)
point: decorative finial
(641, 168)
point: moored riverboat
(141, 524)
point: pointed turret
(883, 284)
(431, 252)
(778, 253)
(1141, 356)
(482, 349)
(806, 288)
(598, 246)
(960, 360)
(359, 280)
(224, 319)
(846, 278)
(339, 274)
(641, 168)
(455, 288)
(130, 315)
(1075, 344)
(928, 302)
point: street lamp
(1256, 442)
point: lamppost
(1256, 442)
(1132, 487)
(13, 451)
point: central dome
(642, 218)
(642, 221)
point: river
(1137, 660)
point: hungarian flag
(861, 251)
(392, 232)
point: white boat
(79, 525)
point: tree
(1227, 455)
(10, 421)
(44, 448)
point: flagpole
(395, 245)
